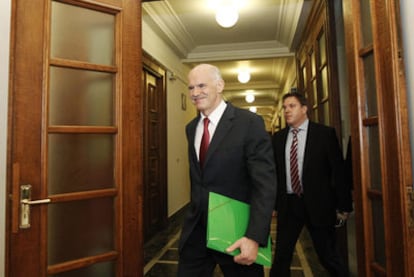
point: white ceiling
(264, 39)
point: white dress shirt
(303, 130)
(214, 118)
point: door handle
(35, 202)
(25, 203)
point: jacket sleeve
(261, 167)
(342, 188)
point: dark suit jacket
(239, 164)
(325, 189)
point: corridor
(161, 254)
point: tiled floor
(161, 255)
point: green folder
(227, 222)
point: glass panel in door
(80, 97)
(82, 34)
(370, 86)
(81, 143)
(80, 162)
(371, 149)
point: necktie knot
(206, 122)
(295, 131)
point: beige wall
(407, 15)
(177, 118)
(4, 75)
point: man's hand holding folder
(226, 224)
(248, 251)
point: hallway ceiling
(264, 39)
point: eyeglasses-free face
(205, 90)
(295, 113)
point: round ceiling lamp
(227, 16)
(253, 109)
(249, 98)
(243, 76)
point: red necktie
(205, 140)
(294, 169)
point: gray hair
(215, 71)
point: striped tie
(294, 169)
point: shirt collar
(303, 126)
(215, 116)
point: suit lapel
(282, 146)
(308, 146)
(191, 137)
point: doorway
(155, 147)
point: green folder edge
(227, 222)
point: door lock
(25, 203)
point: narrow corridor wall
(407, 14)
(5, 14)
(177, 117)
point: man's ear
(305, 108)
(220, 86)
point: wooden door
(380, 144)
(155, 160)
(75, 191)
(317, 66)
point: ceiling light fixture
(227, 16)
(249, 98)
(243, 76)
(253, 109)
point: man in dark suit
(314, 193)
(239, 163)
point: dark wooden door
(73, 153)
(380, 139)
(155, 165)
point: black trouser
(288, 231)
(196, 260)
